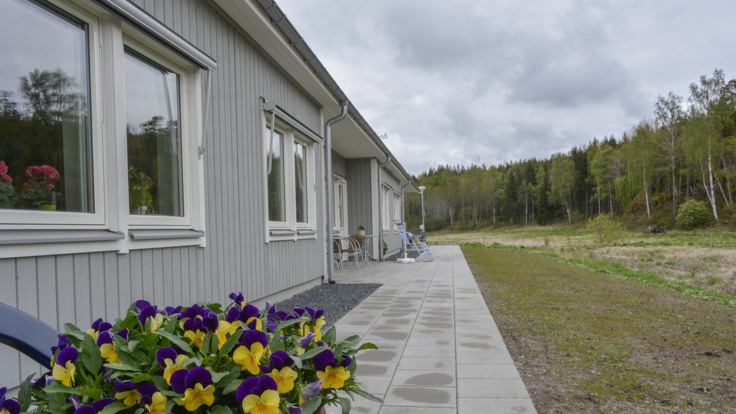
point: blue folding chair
(27, 334)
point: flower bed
(204, 358)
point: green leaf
(91, 355)
(312, 352)
(217, 376)
(230, 343)
(220, 409)
(330, 336)
(345, 403)
(139, 411)
(350, 342)
(367, 345)
(72, 330)
(24, 394)
(312, 405)
(232, 386)
(132, 344)
(57, 401)
(367, 395)
(121, 367)
(113, 408)
(93, 393)
(297, 361)
(288, 323)
(160, 382)
(176, 341)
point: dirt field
(702, 259)
(586, 342)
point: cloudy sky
(490, 81)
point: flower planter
(47, 207)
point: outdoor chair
(349, 247)
(413, 242)
(360, 247)
(337, 255)
(27, 334)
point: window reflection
(276, 182)
(45, 149)
(154, 145)
(300, 170)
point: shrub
(606, 229)
(692, 214)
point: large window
(45, 138)
(397, 210)
(154, 137)
(289, 183)
(99, 128)
(386, 204)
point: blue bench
(27, 334)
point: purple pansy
(165, 353)
(255, 386)
(8, 404)
(170, 310)
(182, 379)
(232, 315)
(327, 358)
(312, 390)
(239, 299)
(95, 408)
(278, 361)
(147, 312)
(67, 355)
(62, 343)
(99, 325)
(252, 336)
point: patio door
(340, 210)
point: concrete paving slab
(440, 350)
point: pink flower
(3, 169)
(49, 185)
(8, 179)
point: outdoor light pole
(421, 193)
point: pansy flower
(64, 367)
(252, 317)
(155, 404)
(196, 385)
(239, 299)
(258, 395)
(99, 326)
(279, 369)
(252, 347)
(224, 330)
(170, 361)
(304, 343)
(130, 393)
(107, 345)
(332, 374)
(7, 405)
(151, 313)
(62, 342)
(95, 408)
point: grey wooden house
(173, 151)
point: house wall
(83, 287)
(360, 202)
(339, 166)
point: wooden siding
(360, 202)
(80, 288)
(339, 166)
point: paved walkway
(439, 348)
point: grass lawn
(589, 342)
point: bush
(606, 229)
(692, 214)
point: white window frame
(337, 183)
(386, 207)
(396, 210)
(70, 232)
(290, 229)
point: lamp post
(421, 193)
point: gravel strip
(336, 300)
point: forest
(686, 151)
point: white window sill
(275, 235)
(28, 243)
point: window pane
(275, 151)
(300, 170)
(45, 147)
(154, 137)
